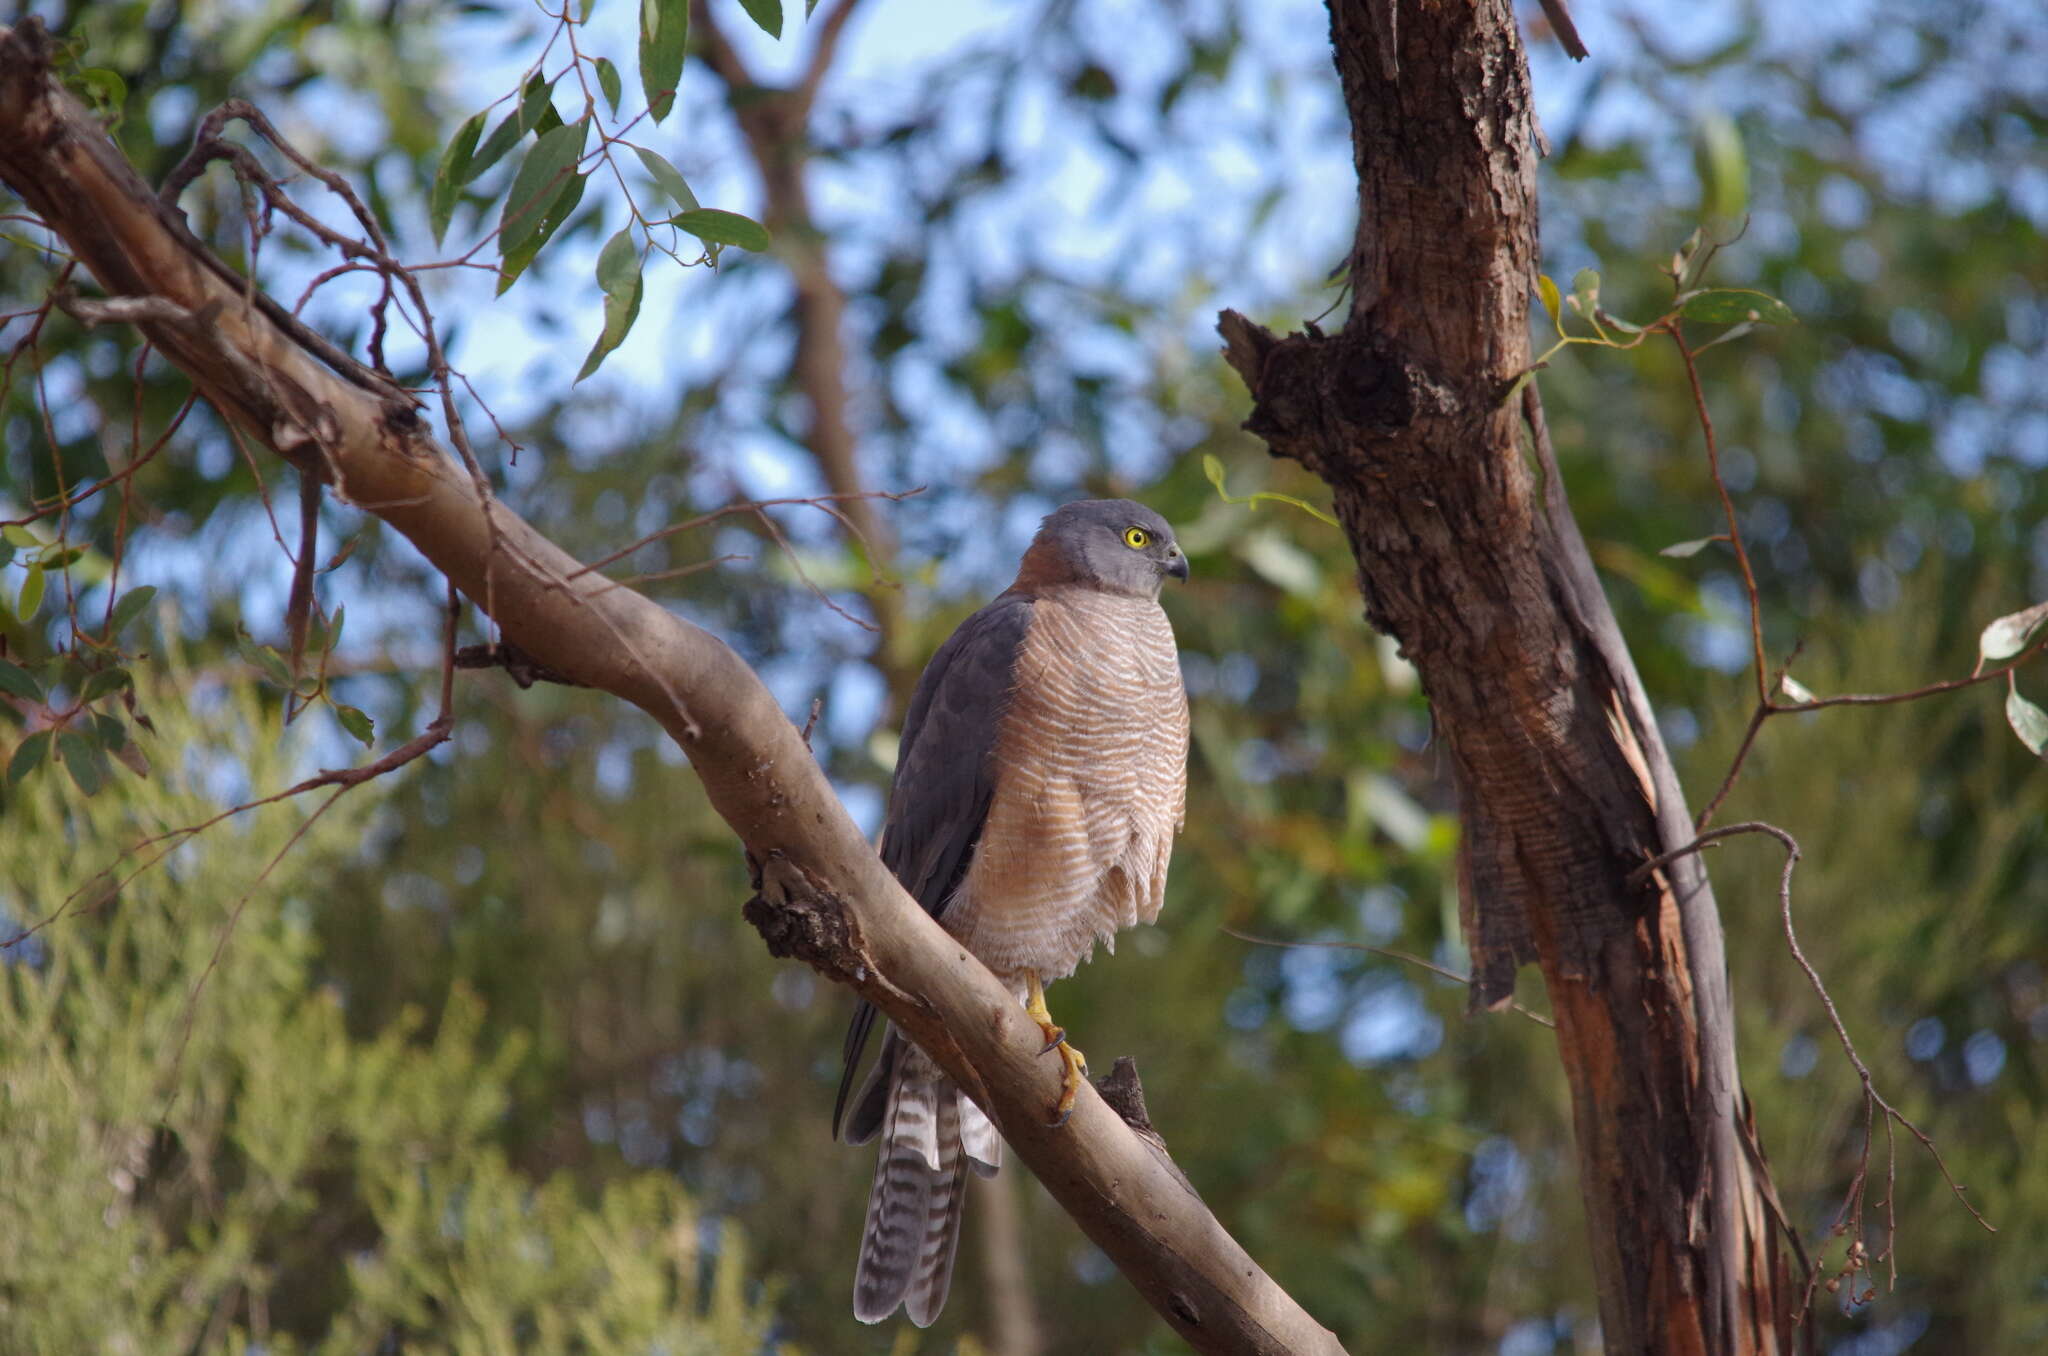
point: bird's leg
(1056, 1039)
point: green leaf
(608, 81)
(267, 661)
(82, 761)
(356, 723)
(1735, 305)
(112, 734)
(515, 263)
(6, 552)
(106, 89)
(1690, 261)
(334, 626)
(502, 139)
(714, 227)
(31, 593)
(2028, 721)
(17, 535)
(103, 682)
(536, 102)
(453, 174)
(664, 34)
(1586, 292)
(668, 179)
(2010, 634)
(1722, 167)
(1553, 303)
(1796, 690)
(55, 558)
(618, 273)
(19, 682)
(1685, 550)
(1213, 468)
(133, 604)
(766, 13)
(28, 756)
(544, 177)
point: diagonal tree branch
(823, 896)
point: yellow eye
(1137, 538)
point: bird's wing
(940, 797)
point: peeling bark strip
(371, 446)
(1563, 782)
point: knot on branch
(1125, 1095)
(800, 919)
(524, 668)
(1316, 395)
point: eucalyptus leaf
(103, 682)
(715, 227)
(2011, 633)
(268, 662)
(31, 593)
(668, 179)
(83, 761)
(766, 13)
(543, 178)
(132, 604)
(2028, 721)
(28, 756)
(1586, 292)
(618, 274)
(1213, 468)
(1553, 301)
(664, 35)
(1735, 305)
(515, 261)
(356, 723)
(19, 682)
(453, 174)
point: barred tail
(913, 1224)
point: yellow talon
(1075, 1064)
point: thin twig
(1849, 1220)
(1391, 954)
(754, 506)
(1699, 401)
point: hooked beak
(1177, 565)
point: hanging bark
(1564, 785)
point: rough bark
(1564, 785)
(823, 894)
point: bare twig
(757, 507)
(1675, 329)
(1849, 1220)
(1391, 954)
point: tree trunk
(1564, 785)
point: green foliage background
(489, 1061)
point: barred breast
(1090, 786)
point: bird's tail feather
(913, 1223)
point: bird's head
(1114, 545)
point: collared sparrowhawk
(1039, 783)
